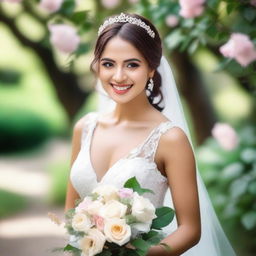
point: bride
(140, 130)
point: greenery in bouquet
(230, 177)
(112, 221)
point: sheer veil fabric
(213, 240)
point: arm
(180, 170)
(71, 194)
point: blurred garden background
(46, 85)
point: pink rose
(110, 4)
(51, 5)
(98, 222)
(225, 135)
(125, 192)
(64, 37)
(191, 9)
(240, 48)
(253, 2)
(171, 20)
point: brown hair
(150, 48)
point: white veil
(213, 240)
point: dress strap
(148, 150)
(88, 124)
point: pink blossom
(51, 5)
(225, 135)
(64, 37)
(125, 192)
(171, 20)
(84, 204)
(239, 47)
(191, 8)
(98, 221)
(253, 2)
(110, 4)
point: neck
(133, 111)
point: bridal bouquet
(113, 221)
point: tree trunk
(192, 89)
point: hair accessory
(151, 84)
(125, 18)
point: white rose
(117, 231)
(93, 243)
(143, 209)
(137, 228)
(108, 192)
(94, 207)
(81, 222)
(113, 209)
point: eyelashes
(129, 65)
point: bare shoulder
(175, 144)
(174, 136)
(81, 123)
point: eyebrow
(108, 59)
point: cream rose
(143, 209)
(108, 192)
(117, 231)
(113, 209)
(93, 243)
(94, 207)
(81, 222)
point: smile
(121, 89)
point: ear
(151, 73)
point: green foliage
(164, 216)
(21, 130)
(230, 177)
(11, 203)
(134, 184)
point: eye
(133, 65)
(107, 64)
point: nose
(119, 75)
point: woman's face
(123, 71)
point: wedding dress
(138, 162)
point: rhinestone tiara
(125, 18)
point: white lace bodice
(139, 162)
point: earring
(151, 84)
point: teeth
(122, 88)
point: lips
(121, 88)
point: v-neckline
(120, 159)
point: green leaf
(78, 17)
(164, 217)
(192, 48)
(104, 253)
(82, 49)
(249, 220)
(174, 38)
(68, 7)
(134, 184)
(69, 247)
(252, 188)
(249, 13)
(238, 187)
(141, 244)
